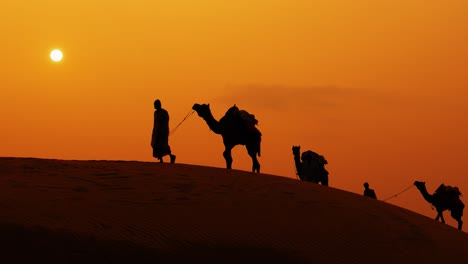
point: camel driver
(368, 191)
(160, 136)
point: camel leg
(441, 216)
(255, 163)
(324, 180)
(456, 214)
(253, 154)
(227, 156)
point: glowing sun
(56, 55)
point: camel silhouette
(311, 168)
(235, 130)
(443, 202)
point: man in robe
(160, 135)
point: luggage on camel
(247, 119)
(447, 189)
(448, 192)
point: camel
(235, 130)
(311, 168)
(442, 201)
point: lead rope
(185, 118)
(395, 195)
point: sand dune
(62, 211)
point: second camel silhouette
(443, 201)
(237, 127)
(311, 168)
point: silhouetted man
(160, 136)
(368, 191)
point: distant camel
(236, 129)
(442, 202)
(311, 168)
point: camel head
(296, 151)
(419, 184)
(202, 110)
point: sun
(56, 55)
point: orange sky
(377, 87)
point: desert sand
(70, 211)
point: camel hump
(230, 114)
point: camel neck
(212, 123)
(297, 162)
(425, 194)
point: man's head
(157, 104)
(366, 185)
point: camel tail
(259, 144)
(255, 141)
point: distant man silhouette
(160, 136)
(368, 191)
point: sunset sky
(377, 87)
